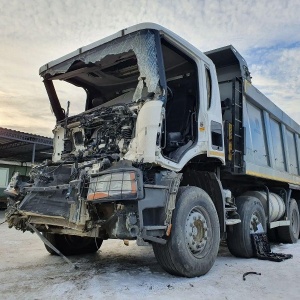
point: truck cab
(172, 90)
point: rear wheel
(253, 218)
(72, 244)
(193, 245)
(290, 234)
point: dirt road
(27, 271)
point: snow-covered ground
(27, 271)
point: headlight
(114, 185)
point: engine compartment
(98, 133)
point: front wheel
(72, 244)
(192, 247)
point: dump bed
(260, 139)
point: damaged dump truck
(175, 148)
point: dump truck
(175, 149)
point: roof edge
(171, 36)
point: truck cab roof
(170, 36)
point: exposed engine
(98, 133)
(84, 144)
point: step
(230, 222)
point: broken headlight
(119, 186)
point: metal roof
(24, 147)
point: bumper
(65, 207)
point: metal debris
(247, 273)
(51, 246)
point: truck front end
(102, 181)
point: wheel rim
(295, 223)
(196, 230)
(254, 223)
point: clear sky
(34, 32)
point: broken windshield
(125, 68)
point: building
(19, 151)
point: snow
(27, 271)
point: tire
(193, 245)
(290, 234)
(239, 241)
(72, 244)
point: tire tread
(166, 254)
(284, 233)
(237, 239)
(59, 241)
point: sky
(34, 32)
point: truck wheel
(290, 234)
(72, 244)
(193, 245)
(252, 215)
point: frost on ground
(27, 271)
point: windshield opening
(76, 95)
(120, 71)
